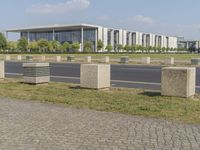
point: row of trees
(53, 46)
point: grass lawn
(128, 101)
(136, 56)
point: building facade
(86, 32)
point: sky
(170, 17)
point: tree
(119, 47)
(100, 45)
(128, 48)
(11, 45)
(43, 45)
(75, 46)
(3, 41)
(109, 48)
(66, 46)
(22, 44)
(133, 48)
(87, 46)
(33, 46)
(55, 45)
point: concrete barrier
(2, 70)
(70, 58)
(124, 59)
(88, 59)
(36, 73)
(106, 59)
(169, 61)
(195, 61)
(178, 81)
(58, 58)
(7, 57)
(95, 76)
(146, 60)
(19, 57)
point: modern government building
(86, 32)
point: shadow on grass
(151, 94)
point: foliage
(109, 48)
(33, 46)
(3, 41)
(43, 45)
(66, 46)
(88, 46)
(11, 45)
(22, 44)
(75, 46)
(100, 45)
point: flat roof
(55, 27)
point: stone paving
(26, 125)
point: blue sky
(171, 17)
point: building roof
(53, 27)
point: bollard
(146, 60)
(43, 58)
(95, 76)
(178, 81)
(36, 73)
(2, 70)
(88, 59)
(8, 57)
(169, 61)
(106, 59)
(124, 59)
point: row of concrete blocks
(176, 81)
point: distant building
(188, 44)
(86, 32)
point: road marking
(115, 81)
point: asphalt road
(131, 76)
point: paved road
(148, 77)
(27, 125)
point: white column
(82, 42)
(53, 34)
(96, 40)
(7, 35)
(28, 37)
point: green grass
(136, 56)
(127, 101)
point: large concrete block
(124, 59)
(7, 57)
(195, 61)
(36, 73)
(58, 58)
(178, 81)
(19, 57)
(169, 61)
(95, 76)
(2, 70)
(70, 58)
(88, 59)
(146, 60)
(106, 59)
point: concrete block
(178, 81)
(70, 58)
(106, 59)
(19, 57)
(58, 58)
(36, 73)
(7, 57)
(169, 61)
(43, 58)
(146, 60)
(124, 59)
(95, 76)
(88, 59)
(195, 61)
(2, 70)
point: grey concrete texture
(2, 69)
(146, 60)
(95, 76)
(27, 125)
(124, 59)
(195, 61)
(178, 81)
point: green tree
(133, 48)
(109, 48)
(66, 46)
(56, 45)
(128, 48)
(12, 45)
(120, 47)
(3, 41)
(22, 44)
(100, 45)
(43, 45)
(75, 46)
(33, 46)
(88, 46)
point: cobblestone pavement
(26, 125)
